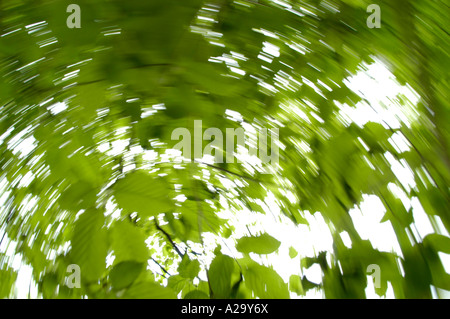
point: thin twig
(169, 239)
(160, 266)
(162, 275)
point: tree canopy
(89, 175)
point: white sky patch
(103, 147)
(440, 227)
(400, 143)
(265, 58)
(367, 223)
(25, 286)
(146, 112)
(377, 85)
(236, 70)
(26, 179)
(22, 144)
(46, 101)
(401, 171)
(400, 194)
(421, 219)
(346, 239)
(299, 48)
(271, 49)
(314, 273)
(118, 147)
(24, 278)
(445, 259)
(266, 33)
(57, 108)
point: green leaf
(292, 252)
(263, 244)
(148, 290)
(196, 294)
(222, 272)
(49, 284)
(307, 262)
(80, 195)
(307, 285)
(198, 217)
(265, 282)
(295, 285)
(128, 242)
(188, 268)
(90, 244)
(7, 278)
(438, 242)
(203, 286)
(124, 274)
(177, 283)
(187, 289)
(142, 193)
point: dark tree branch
(169, 239)
(160, 266)
(162, 275)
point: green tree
(86, 117)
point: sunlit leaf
(90, 244)
(263, 244)
(128, 242)
(142, 193)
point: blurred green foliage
(68, 97)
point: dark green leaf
(124, 274)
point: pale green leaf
(263, 244)
(142, 193)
